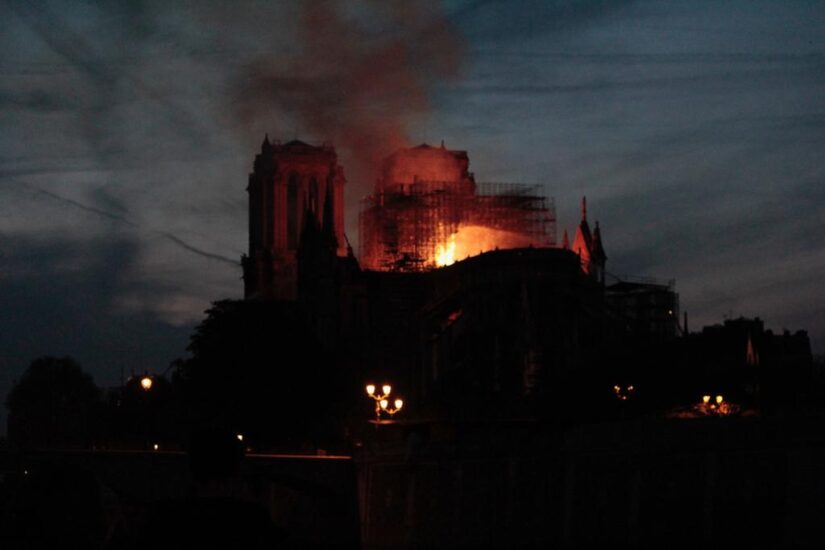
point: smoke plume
(362, 72)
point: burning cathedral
(456, 284)
(427, 211)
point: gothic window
(292, 229)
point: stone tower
(289, 181)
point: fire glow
(427, 211)
(471, 240)
(445, 253)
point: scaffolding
(402, 228)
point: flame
(471, 240)
(445, 253)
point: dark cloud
(186, 246)
(116, 216)
(520, 20)
(40, 101)
(117, 213)
(107, 77)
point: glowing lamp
(399, 403)
(383, 403)
(146, 383)
(386, 388)
(240, 437)
(719, 399)
(370, 389)
(155, 446)
(705, 399)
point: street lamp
(716, 406)
(623, 392)
(146, 382)
(382, 402)
(385, 406)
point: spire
(442, 144)
(565, 241)
(266, 145)
(583, 241)
(597, 248)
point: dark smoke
(362, 73)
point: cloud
(186, 246)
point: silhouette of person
(215, 516)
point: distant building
(646, 310)
(760, 366)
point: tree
(256, 367)
(53, 404)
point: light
(719, 399)
(630, 388)
(146, 383)
(240, 437)
(705, 399)
(156, 446)
(382, 401)
(445, 254)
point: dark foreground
(708, 483)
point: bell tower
(288, 182)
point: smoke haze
(360, 76)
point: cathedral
(426, 212)
(444, 260)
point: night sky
(696, 130)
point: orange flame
(471, 240)
(445, 253)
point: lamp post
(716, 406)
(382, 402)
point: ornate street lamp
(382, 402)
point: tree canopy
(55, 403)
